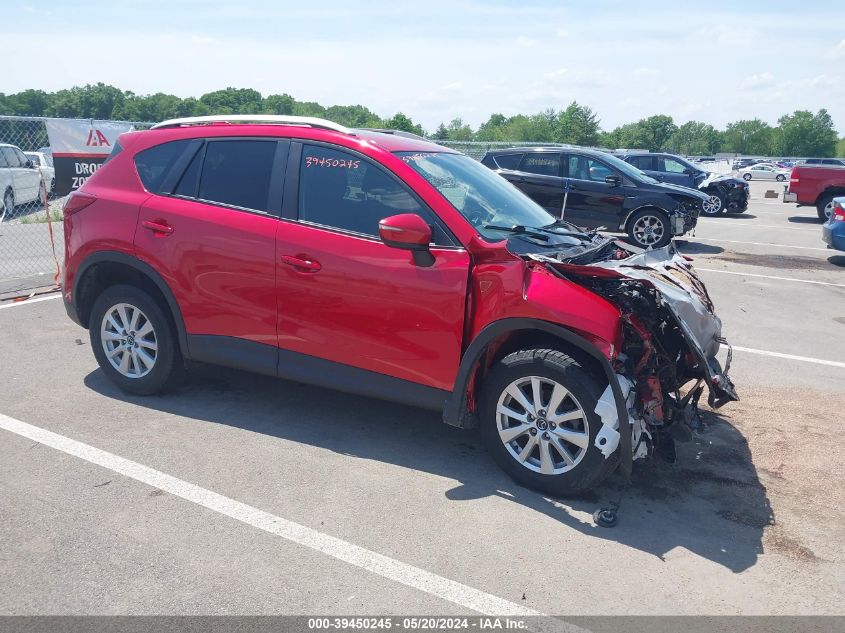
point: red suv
(381, 264)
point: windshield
(479, 194)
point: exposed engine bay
(671, 339)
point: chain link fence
(29, 254)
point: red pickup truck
(816, 185)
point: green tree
(457, 130)
(577, 125)
(492, 129)
(749, 137)
(401, 122)
(840, 148)
(279, 104)
(694, 138)
(233, 101)
(353, 116)
(804, 134)
(441, 133)
(97, 101)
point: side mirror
(689, 171)
(613, 180)
(29, 164)
(410, 232)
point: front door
(592, 202)
(346, 297)
(675, 172)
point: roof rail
(273, 119)
(394, 132)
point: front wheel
(714, 204)
(746, 176)
(780, 177)
(538, 421)
(649, 228)
(8, 206)
(133, 341)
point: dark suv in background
(600, 190)
(724, 192)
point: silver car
(762, 171)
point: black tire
(7, 204)
(168, 359)
(592, 467)
(822, 203)
(664, 239)
(780, 177)
(746, 177)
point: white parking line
(15, 304)
(806, 248)
(752, 225)
(425, 581)
(803, 281)
(804, 359)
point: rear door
(591, 201)
(209, 229)
(539, 176)
(347, 298)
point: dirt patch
(783, 262)
(777, 541)
(758, 521)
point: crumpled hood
(680, 189)
(683, 294)
(723, 178)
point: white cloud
(562, 33)
(760, 80)
(555, 74)
(524, 42)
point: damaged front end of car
(671, 338)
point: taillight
(793, 181)
(76, 202)
(839, 213)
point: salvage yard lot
(749, 519)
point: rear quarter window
(508, 161)
(155, 163)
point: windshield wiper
(519, 229)
(563, 224)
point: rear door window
(642, 162)
(238, 173)
(671, 165)
(508, 161)
(541, 163)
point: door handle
(302, 264)
(157, 226)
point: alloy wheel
(712, 206)
(129, 340)
(828, 210)
(542, 425)
(649, 230)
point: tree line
(800, 133)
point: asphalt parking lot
(241, 494)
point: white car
(44, 162)
(762, 171)
(20, 180)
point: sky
(435, 60)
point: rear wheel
(824, 207)
(780, 177)
(746, 176)
(133, 340)
(538, 421)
